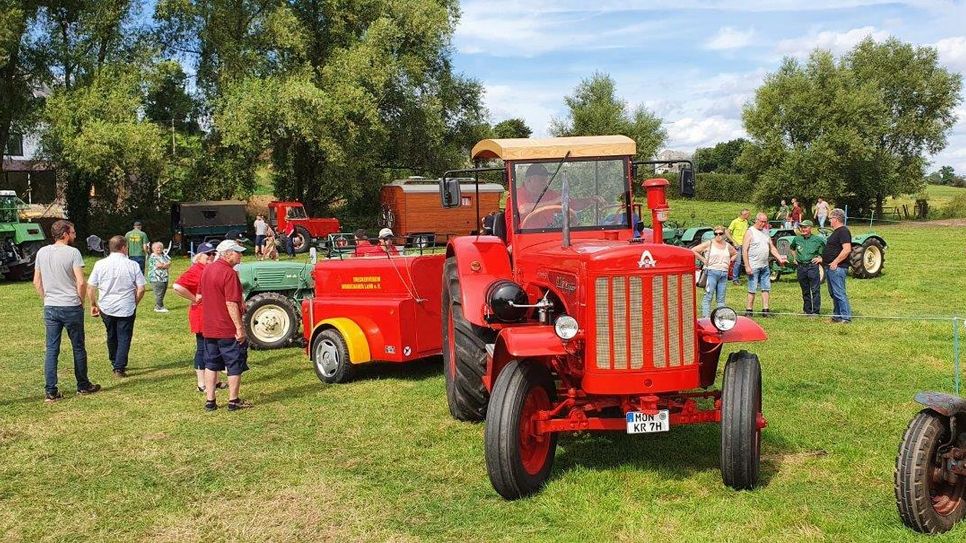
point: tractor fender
(355, 338)
(745, 330)
(519, 343)
(481, 260)
(862, 238)
(945, 404)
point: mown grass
(940, 197)
(380, 458)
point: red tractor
(291, 217)
(563, 321)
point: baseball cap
(807, 223)
(536, 169)
(385, 233)
(230, 245)
(204, 248)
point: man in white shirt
(260, 228)
(757, 245)
(120, 284)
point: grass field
(380, 458)
(940, 197)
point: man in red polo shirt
(226, 347)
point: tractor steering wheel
(543, 216)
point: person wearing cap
(117, 287)
(186, 286)
(385, 242)
(807, 251)
(364, 247)
(226, 347)
(138, 244)
(534, 194)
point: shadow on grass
(417, 370)
(678, 454)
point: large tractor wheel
(271, 321)
(930, 500)
(740, 410)
(301, 240)
(464, 352)
(518, 460)
(867, 259)
(330, 357)
(28, 251)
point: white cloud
(952, 53)
(836, 42)
(533, 103)
(689, 133)
(730, 38)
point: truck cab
(290, 218)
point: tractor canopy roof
(551, 148)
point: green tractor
(273, 300)
(866, 261)
(19, 241)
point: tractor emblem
(407, 351)
(646, 261)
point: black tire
(25, 272)
(867, 260)
(740, 435)
(330, 357)
(926, 505)
(306, 237)
(519, 465)
(775, 274)
(464, 354)
(271, 321)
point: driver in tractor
(539, 205)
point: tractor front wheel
(518, 459)
(271, 320)
(740, 412)
(330, 357)
(867, 259)
(930, 499)
(464, 352)
(301, 240)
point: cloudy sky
(692, 62)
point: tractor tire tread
(857, 260)
(740, 398)
(466, 395)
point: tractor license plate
(642, 423)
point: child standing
(158, 264)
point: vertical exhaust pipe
(565, 209)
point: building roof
(551, 148)
(20, 165)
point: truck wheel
(927, 501)
(330, 357)
(518, 460)
(740, 409)
(301, 240)
(464, 352)
(867, 259)
(271, 320)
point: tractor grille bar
(644, 322)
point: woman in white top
(716, 255)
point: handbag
(702, 281)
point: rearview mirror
(449, 192)
(687, 182)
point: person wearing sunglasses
(187, 287)
(755, 255)
(716, 256)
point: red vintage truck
(285, 215)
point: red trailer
(285, 215)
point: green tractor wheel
(867, 259)
(271, 321)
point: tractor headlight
(724, 318)
(566, 327)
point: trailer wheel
(301, 240)
(740, 409)
(928, 502)
(518, 460)
(464, 352)
(330, 357)
(271, 320)
(867, 259)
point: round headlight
(566, 327)
(505, 298)
(724, 318)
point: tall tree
(855, 130)
(18, 68)
(512, 128)
(722, 158)
(594, 109)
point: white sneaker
(160, 309)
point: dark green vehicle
(19, 241)
(273, 301)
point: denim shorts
(260, 241)
(760, 277)
(226, 354)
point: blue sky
(692, 62)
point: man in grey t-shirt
(59, 280)
(755, 256)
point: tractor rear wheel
(464, 352)
(518, 460)
(301, 240)
(28, 251)
(271, 320)
(928, 500)
(740, 410)
(867, 259)
(330, 357)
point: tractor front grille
(644, 321)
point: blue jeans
(717, 283)
(139, 260)
(120, 330)
(738, 267)
(808, 280)
(56, 319)
(841, 310)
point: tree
(722, 158)
(167, 102)
(595, 110)
(854, 130)
(511, 128)
(947, 175)
(18, 68)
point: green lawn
(939, 197)
(380, 458)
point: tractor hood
(274, 276)
(603, 257)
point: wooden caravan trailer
(412, 206)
